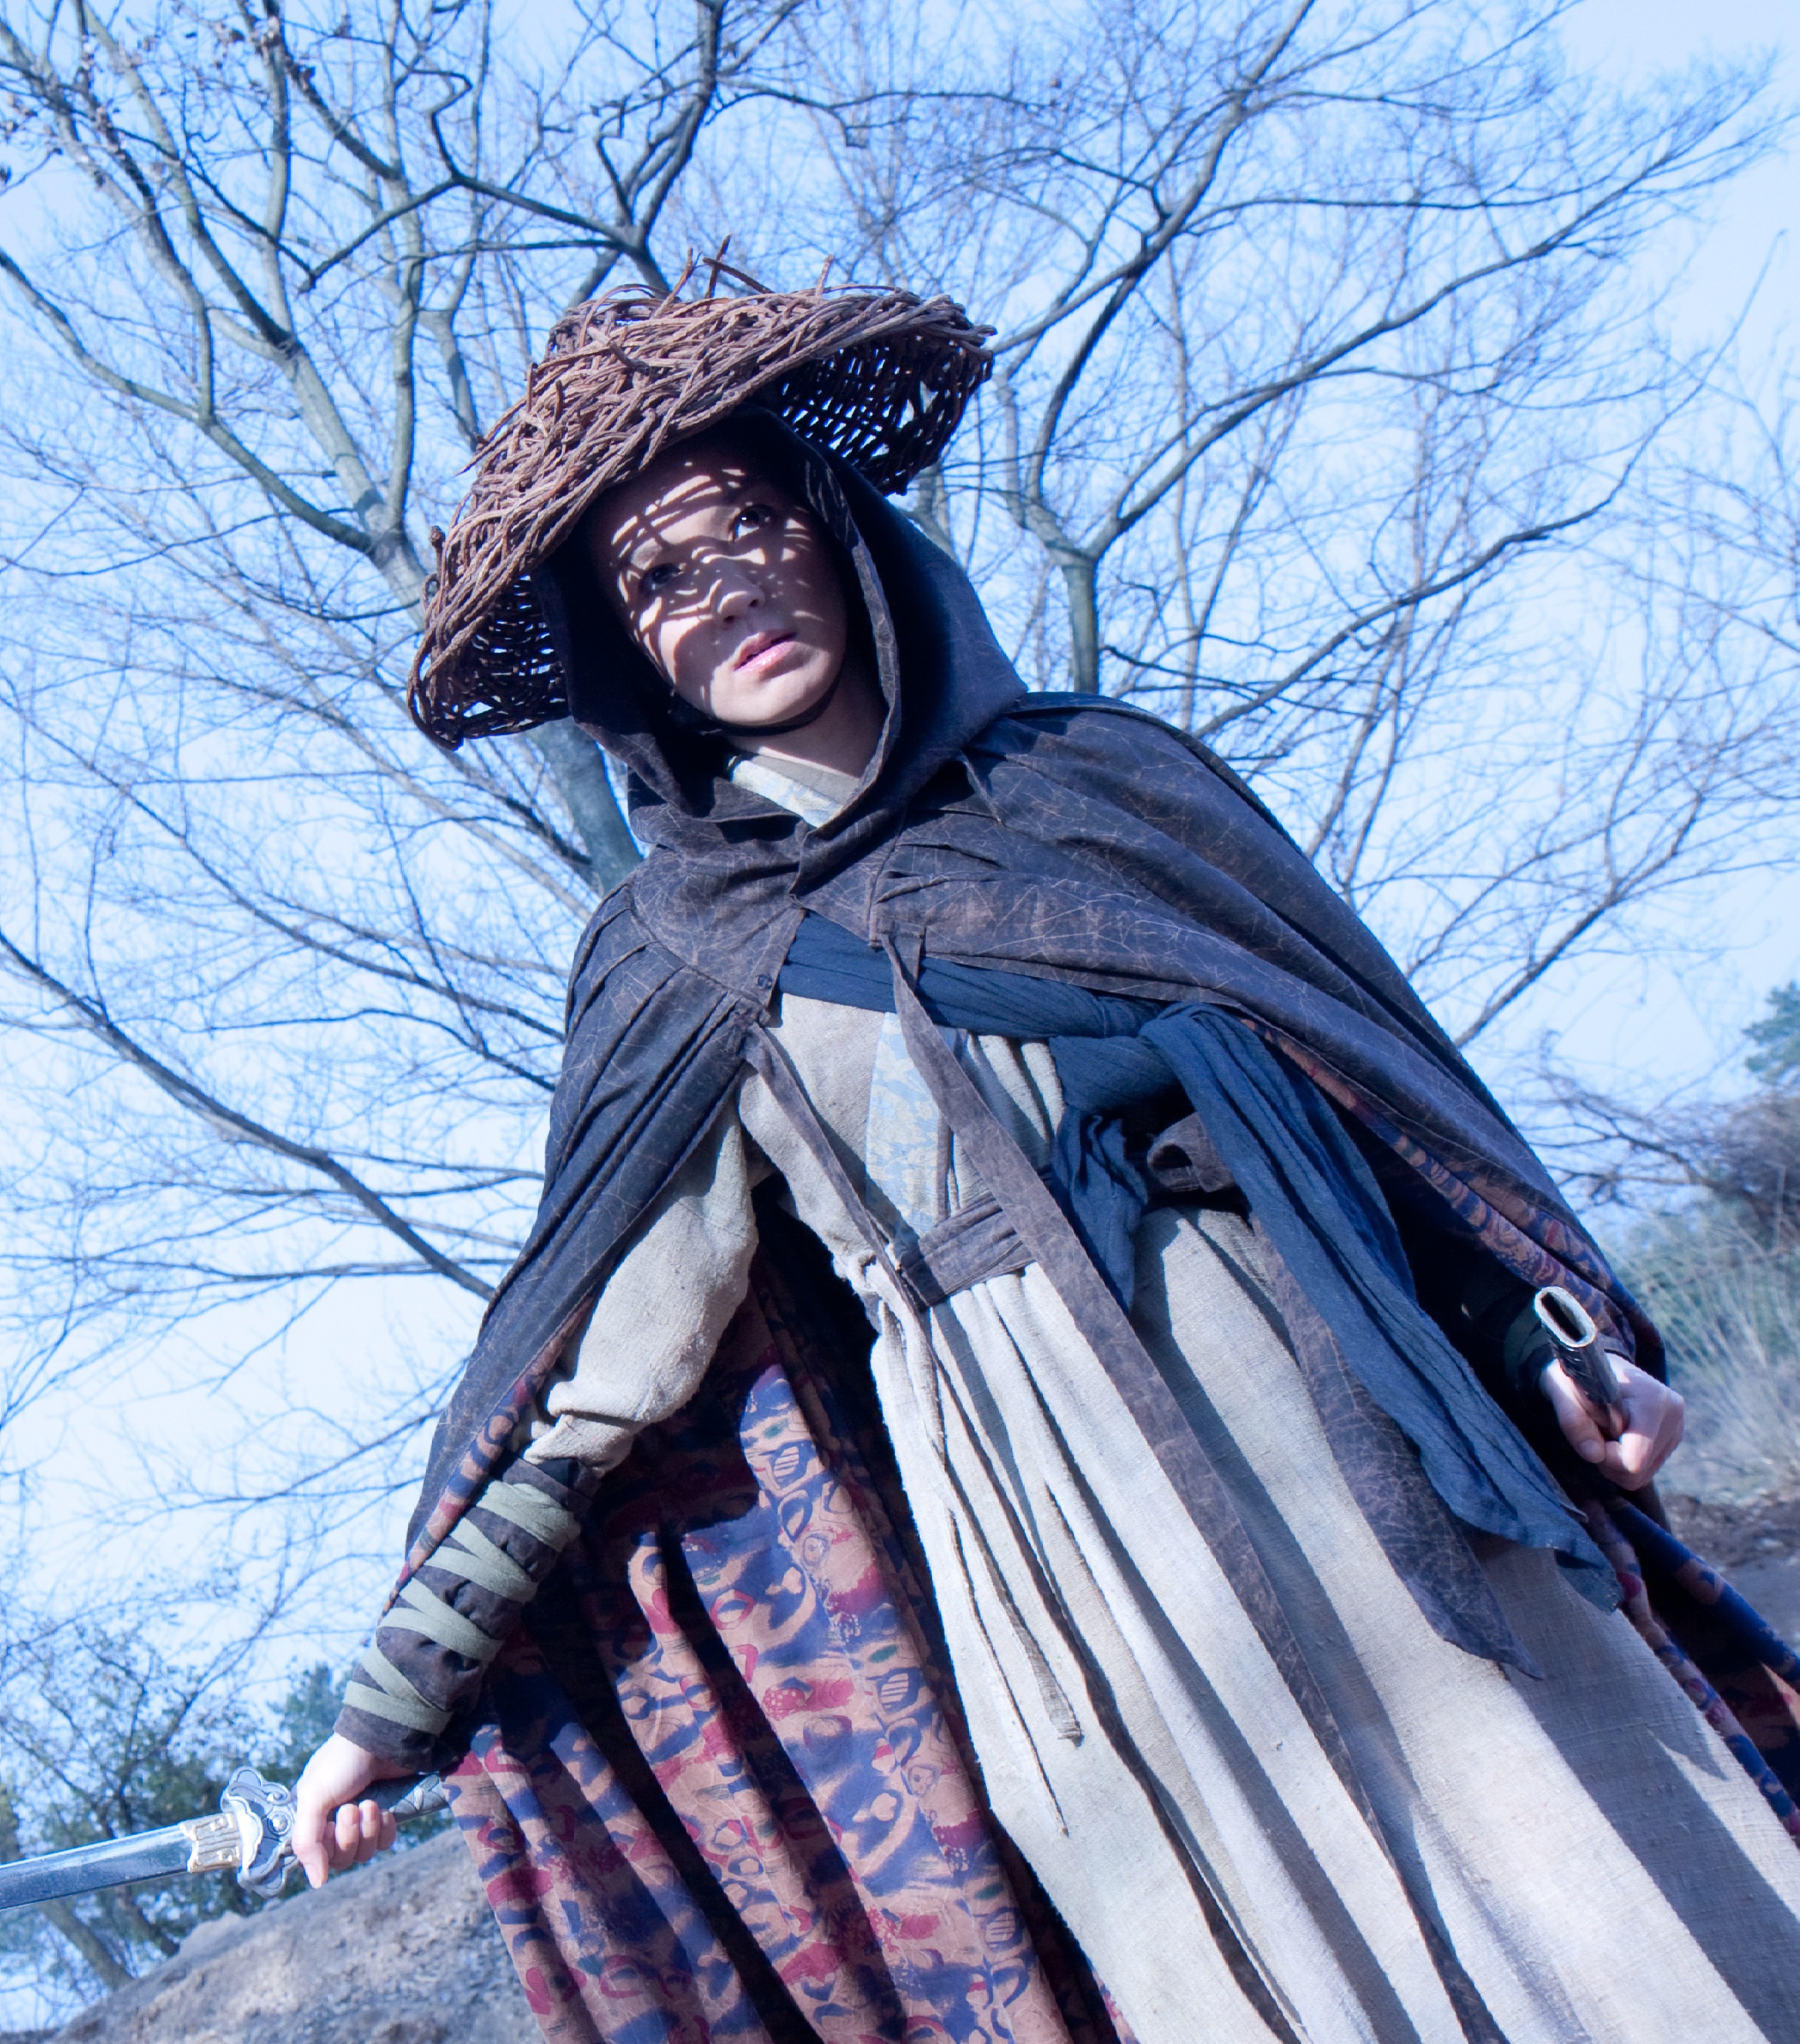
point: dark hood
(943, 676)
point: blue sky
(1637, 1024)
(1635, 1019)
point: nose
(735, 592)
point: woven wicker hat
(878, 378)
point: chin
(772, 701)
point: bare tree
(1329, 366)
(313, 260)
(115, 1726)
(1333, 419)
(310, 226)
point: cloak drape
(1068, 838)
(1088, 851)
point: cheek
(682, 650)
(819, 594)
(659, 637)
(663, 642)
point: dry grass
(1728, 1303)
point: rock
(403, 1952)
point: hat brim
(880, 380)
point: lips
(758, 643)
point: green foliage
(1777, 1036)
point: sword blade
(249, 1836)
(109, 1864)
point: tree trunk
(575, 762)
(579, 770)
(102, 1961)
(1078, 578)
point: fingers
(1653, 1416)
(350, 1836)
(311, 1821)
(1656, 1418)
(309, 1851)
(1579, 1423)
(335, 1825)
(358, 1832)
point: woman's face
(725, 581)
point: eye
(657, 577)
(751, 518)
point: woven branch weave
(881, 379)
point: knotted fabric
(1309, 1192)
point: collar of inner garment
(813, 793)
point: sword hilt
(1579, 1348)
(263, 1814)
(251, 1834)
(419, 1796)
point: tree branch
(231, 1123)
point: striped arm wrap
(395, 1698)
(435, 1644)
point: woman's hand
(1630, 1455)
(334, 1827)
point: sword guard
(262, 1813)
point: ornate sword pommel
(262, 1813)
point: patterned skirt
(722, 1790)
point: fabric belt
(1251, 1118)
(977, 1241)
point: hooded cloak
(1035, 867)
(1068, 839)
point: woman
(1174, 1562)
